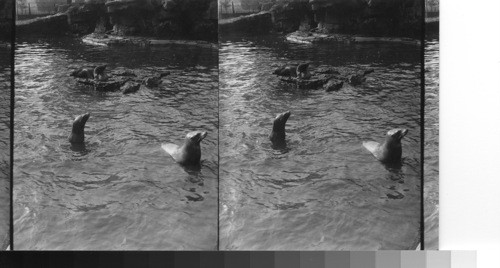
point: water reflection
(119, 189)
(324, 190)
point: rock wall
(50, 25)
(188, 19)
(255, 24)
(5, 20)
(181, 19)
(365, 17)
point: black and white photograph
(6, 8)
(431, 151)
(116, 125)
(320, 124)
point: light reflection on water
(325, 192)
(122, 191)
(5, 75)
(431, 151)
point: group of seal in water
(188, 154)
(389, 151)
(329, 79)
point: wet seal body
(87, 73)
(278, 134)
(390, 150)
(303, 71)
(287, 71)
(189, 153)
(300, 71)
(99, 74)
(78, 132)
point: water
(122, 191)
(324, 191)
(431, 151)
(5, 75)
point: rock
(127, 73)
(327, 70)
(255, 23)
(107, 86)
(54, 24)
(333, 85)
(130, 87)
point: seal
(390, 150)
(99, 74)
(86, 73)
(188, 153)
(77, 133)
(152, 81)
(303, 71)
(277, 135)
(359, 78)
(287, 71)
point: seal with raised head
(278, 134)
(188, 153)
(390, 150)
(303, 71)
(77, 133)
(99, 73)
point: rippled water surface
(5, 75)
(431, 151)
(324, 191)
(122, 191)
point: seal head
(188, 153)
(303, 71)
(99, 74)
(77, 133)
(277, 135)
(390, 150)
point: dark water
(123, 191)
(5, 75)
(325, 191)
(431, 152)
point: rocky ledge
(115, 40)
(314, 38)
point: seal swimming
(188, 153)
(390, 150)
(278, 134)
(77, 133)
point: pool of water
(121, 191)
(5, 75)
(431, 151)
(324, 191)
